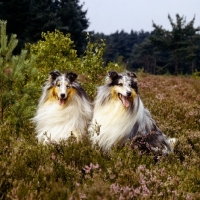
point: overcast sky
(108, 16)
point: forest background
(158, 52)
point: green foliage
(28, 18)
(16, 13)
(174, 51)
(17, 83)
(74, 21)
(196, 74)
(181, 42)
(92, 66)
(56, 52)
(144, 55)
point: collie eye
(67, 86)
(58, 85)
(120, 84)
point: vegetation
(181, 42)
(71, 170)
(56, 52)
(17, 83)
(29, 18)
(174, 51)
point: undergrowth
(71, 170)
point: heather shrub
(71, 170)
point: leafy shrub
(56, 52)
(196, 74)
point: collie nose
(62, 95)
(128, 94)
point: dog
(119, 115)
(63, 109)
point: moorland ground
(29, 170)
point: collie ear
(132, 75)
(112, 74)
(71, 76)
(54, 74)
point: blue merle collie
(63, 108)
(119, 115)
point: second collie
(119, 115)
(63, 108)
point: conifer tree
(17, 85)
(16, 14)
(144, 55)
(74, 22)
(42, 18)
(180, 42)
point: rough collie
(63, 108)
(119, 114)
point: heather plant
(71, 170)
(79, 171)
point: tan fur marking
(71, 92)
(52, 94)
(114, 93)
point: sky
(109, 16)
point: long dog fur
(119, 114)
(63, 109)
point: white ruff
(59, 122)
(112, 124)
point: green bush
(56, 51)
(17, 84)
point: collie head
(60, 88)
(122, 87)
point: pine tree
(144, 55)
(42, 18)
(16, 14)
(192, 38)
(29, 18)
(179, 42)
(17, 83)
(74, 22)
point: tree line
(175, 51)
(29, 18)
